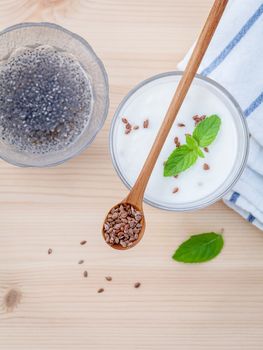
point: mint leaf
(200, 153)
(191, 142)
(179, 160)
(207, 130)
(199, 248)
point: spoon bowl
(142, 222)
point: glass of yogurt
(210, 178)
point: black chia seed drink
(45, 100)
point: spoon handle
(137, 192)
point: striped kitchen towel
(235, 60)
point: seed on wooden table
(49, 251)
(81, 262)
(108, 278)
(83, 242)
(85, 274)
(124, 120)
(146, 123)
(101, 290)
(137, 285)
(206, 166)
(176, 189)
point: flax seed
(206, 166)
(146, 124)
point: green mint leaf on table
(199, 248)
(179, 160)
(207, 130)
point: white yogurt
(195, 185)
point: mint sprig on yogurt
(184, 156)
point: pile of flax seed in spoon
(123, 225)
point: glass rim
(84, 42)
(201, 203)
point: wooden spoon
(135, 197)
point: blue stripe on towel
(250, 218)
(234, 197)
(233, 42)
(254, 105)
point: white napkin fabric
(235, 60)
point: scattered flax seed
(198, 118)
(85, 274)
(101, 290)
(137, 285)
(124, 120)
(177, 142)
(206, 166)
(128, 126)
(136, 127)
(83, 242)
(146, 123)
(176, 176)
(181, 125)
(123, 225)
(176, 189)
(127, 131)
(206, 149)
(81, 262)
(108, 278)
(49, 251)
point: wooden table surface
(45, 302)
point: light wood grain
(214, 306)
